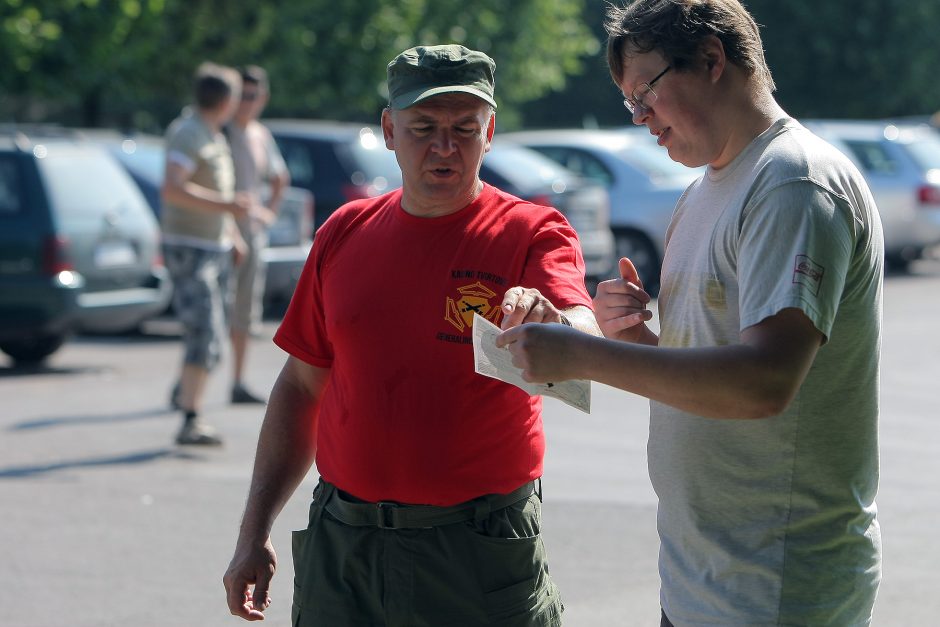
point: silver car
(644, 184)
(901, 163)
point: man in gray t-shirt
(764, 378)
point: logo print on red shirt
(473, 299)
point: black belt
(388, 515)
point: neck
(747, 119)
(415, 205)
(211, 118)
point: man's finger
(237, 592)
(260, 598)
(628, 272)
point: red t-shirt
(386, 301)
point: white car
(901, 163)
(644, 184)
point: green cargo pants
(488, 570)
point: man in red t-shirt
(427, 510)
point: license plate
(113, 254)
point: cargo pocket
(513, 568)
(298, 543)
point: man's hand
(620, 305)
(526, 304)
(252, 565)
(263, 215)
(545, 352)
(242, 205)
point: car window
(926, 152)
(298, 161)
(86, 181)
(524, 168)
(143, 159)
(585, 164)
(10, 194)
(653, 160)
(873, 156)
(373, 162)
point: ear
(388, 128)
(713, 55)
(490, 129)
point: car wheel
(31, 351)
(640, 250)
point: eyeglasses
(643, 96)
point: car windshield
(145, 160)
(524, 168)
(85, 182)
(654, 161)
(374, 161)
(926, 152)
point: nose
(444, 143)
(640, 115)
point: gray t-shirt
(773, 521)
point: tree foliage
(131, 61)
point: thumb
(628, 272)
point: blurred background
(104, 522)
(128, 63)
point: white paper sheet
(496, 362)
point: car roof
(611, 139)
(114, 136)
(868, 129)
(25, 137)
(325, 129)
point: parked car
(341, 161)
(644, 185)
(290, 237)
(901, 163)
(79, 246)
(533, 177)
(336, 161)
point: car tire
(640, 250)
(32, 351)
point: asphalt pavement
(103, 521)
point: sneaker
(195, 433)
(242, 396)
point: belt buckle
(385, 511)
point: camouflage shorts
(198, 300)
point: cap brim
(403, 101)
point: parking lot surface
(106, 522)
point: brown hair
(677, 28)
(214, 84)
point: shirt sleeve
(795, 248)
(302, 332)
(182, 149)
(276, 165)
(555, 265)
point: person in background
(763, 379)
(427, 511)
(259, 171)
(199, 204)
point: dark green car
(79, 246)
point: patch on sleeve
(809, 273)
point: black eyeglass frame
(634, 102)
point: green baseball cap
(425, 71)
